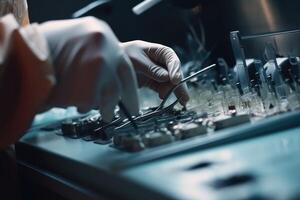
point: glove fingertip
(107, 109)
(182, 94)
(183, 100)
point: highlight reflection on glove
(157, 67)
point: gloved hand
(92, 70)
(157, 67)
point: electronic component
(77, 128)
(251, 91)
(128, 142)
(187, 130)
(171, 126)
(157, 138)
(231, 121)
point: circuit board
(173, 124)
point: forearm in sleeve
(26, 77)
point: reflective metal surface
(263, 16)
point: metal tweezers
(160, 109)
(161, 105)
(149, 115)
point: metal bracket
(240, 67)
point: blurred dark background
(169, 24)
(164, 23)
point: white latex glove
(157, 67)
(91, 68)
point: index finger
(129, 85)
(167, 57)
(181, 92)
